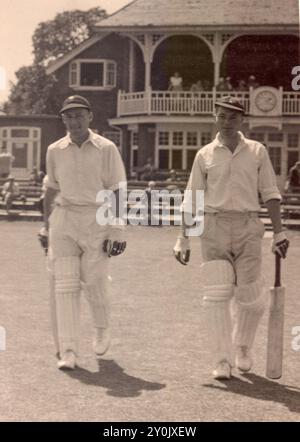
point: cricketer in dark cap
(231, 171)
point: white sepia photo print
(149, 215)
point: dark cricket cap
(75, 101)
(230, 103)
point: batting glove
(44, 239)
(182, 250)
(280, 244)
(115, 245)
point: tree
(54, 38)
(35, 92)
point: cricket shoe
(101, 342)
(243, 360)
(222, 371)
(67, 361)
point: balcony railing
(191, 103)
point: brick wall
(104, 103)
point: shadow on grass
(112, 377)
(263, 389)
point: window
(93, 74)
(205, 138)
(275, 136)
(257, 136)
(192, 138)
(135, 138)
(177, 149)
(177, 159)
(191, 153)
(293, 140)
(24, 143)
(163, 159)
(178, 138)
(19, 133)
(275, 156)
(163, 138)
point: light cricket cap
(230, 103)
(75, 101)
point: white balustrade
(190, 103)
(291, 103)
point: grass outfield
(157, 368)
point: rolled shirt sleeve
(267, 184)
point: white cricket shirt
(80, 173)
(232, 181)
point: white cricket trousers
(76, 260)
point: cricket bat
(275, 326)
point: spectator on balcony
(197, 87)
(221, 86)
(242, 86)
(6, 161)
(175, 82)
(293, 182)
(252, 82)
(206, 85)
(227, 84)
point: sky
(19, 19)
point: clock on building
(265, 100)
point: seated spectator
(175, 83)
(196, 87)
(221, 85)
(293, 182)
(11, 192)
(252, 82)
(154, 212)
(36, 176)
(242, 86)
(6, 161)
(145, 173)
(172, 180)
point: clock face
(265, 101)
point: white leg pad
(52, 304)
(67, 297)
(218, 290)
(248, 308)
(97, 296)
(53, 316)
